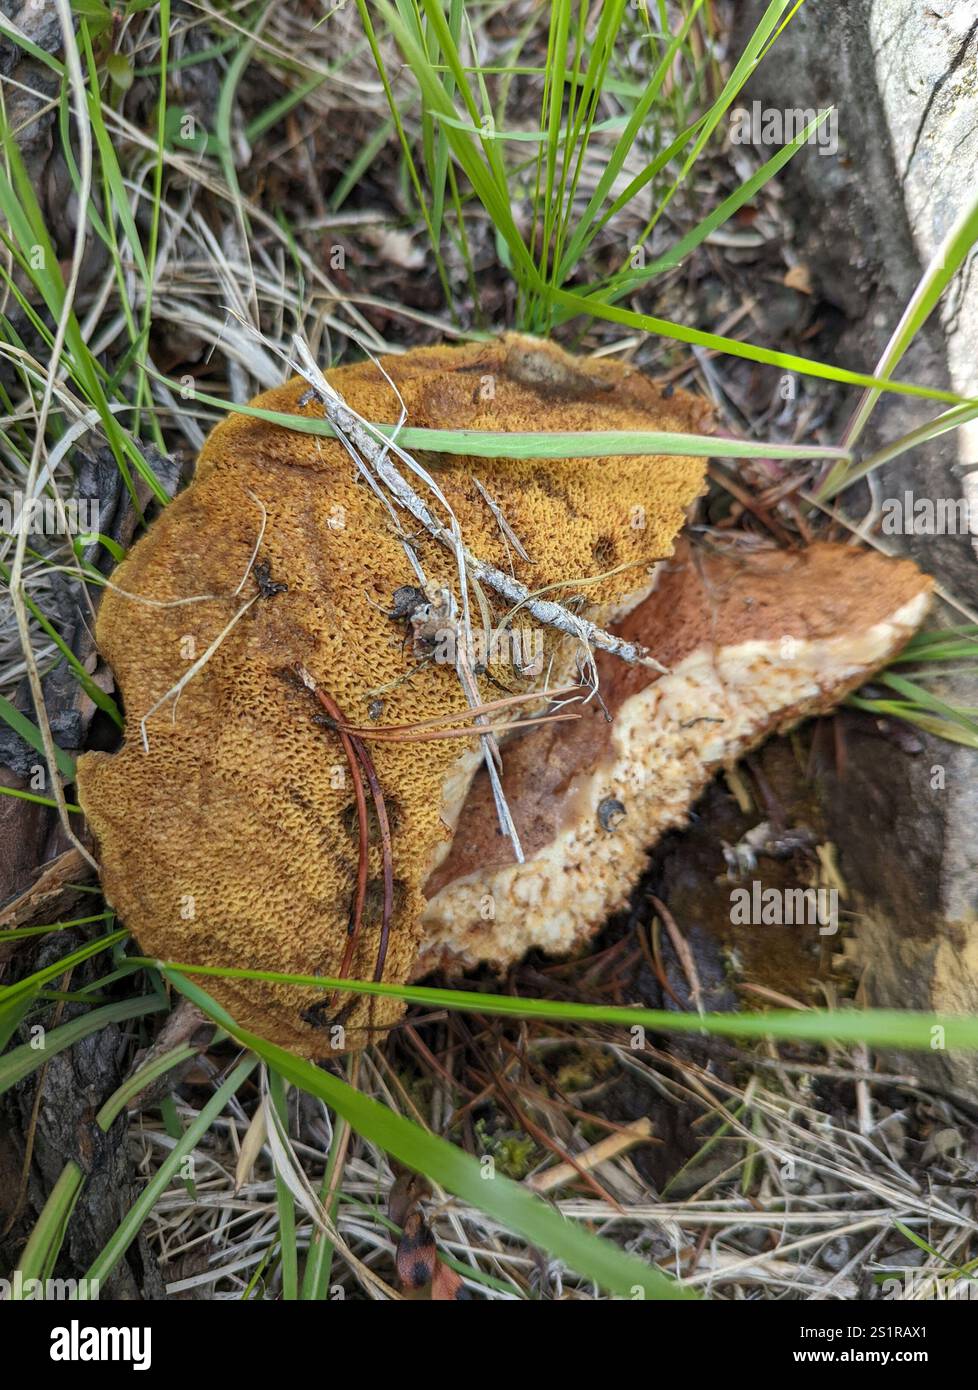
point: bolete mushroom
(275, 594)
(272, 608)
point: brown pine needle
(360, 760)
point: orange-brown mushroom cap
(233, 839)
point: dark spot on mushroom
(552, 488)
(611, 813)
(551, 377)
(351, 823)
(373, 906)
(299, 800)
(605, 552)
(267, 587)
(406, 602)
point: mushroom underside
(754, 645)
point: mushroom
(754, 642)
(265, 607)
(272, 607)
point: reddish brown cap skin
(704, 602)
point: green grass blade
(284, 1198)
(20, 39)
(38, 800)
(746, 64)
(21, 1061)
(457, 1171)
(405, 144)
(877, 1027)
(484, 172)
(910, 690)
(616, 161)
(803, 366)
(31, 734)
(319, 1260)
(145, 1076)
(933, 429)
(32, 983)
(31, 243)
(11, 1016)
(572, 444)
(97, 696)
(944, 265)
(698, 234)
(22, 933)
(129, 1227)
(45, 1241)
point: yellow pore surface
(234, 840)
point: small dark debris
(316, 1015)
(406, 601)
(611, 813)
(375, 709)
(267, 586)
(319, 1015)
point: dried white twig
(509, 535)
(376, 448)
(378, 456)
(175, 690)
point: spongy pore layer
(233, 839)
